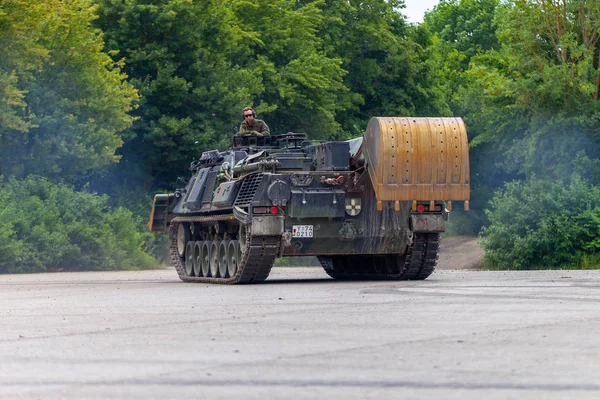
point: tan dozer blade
(418, 159)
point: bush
(540, 224)
(51, 227)
(139, 202)
(461, 222)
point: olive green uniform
(257, 126)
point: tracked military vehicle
(369, 208)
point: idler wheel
(242, 236)
(183, 237)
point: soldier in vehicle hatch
(252, 126)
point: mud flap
(427, 223)
(159, 215)
(267, 225)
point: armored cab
(369, 208)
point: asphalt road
(146, 335)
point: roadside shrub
(51, 227)
(139, 202)
(540, 224)
(461, 222)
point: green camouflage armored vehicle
(369, 208)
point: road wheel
(189, 258)
(391, 266)
(378, 264)
(205, 258)
(198, 258)
(214, 259)
(234, 255)
(223, 267)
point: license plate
(302, 231)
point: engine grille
(248, 190)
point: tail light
(422, 208)
(265, 210)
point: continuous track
(417, 264)
(257, 258)
(259, 253)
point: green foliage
(589, 262)
(460, 223)
(315, 66)
(385, 62)
(463, 30)
(302, 85)
(49, 227)
(523, 76)
(197, 64)
(63, 102)
(540, 90)
(538, 223)
(139, 202)
(464, 25)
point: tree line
(104, 102)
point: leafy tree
(63, 102)
(466, 26)
(384, 59)
(303, 85)
(540, 89)
(166, 47)
(197, 64)
(463, 31)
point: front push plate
(302, 231)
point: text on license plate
(302, 231)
